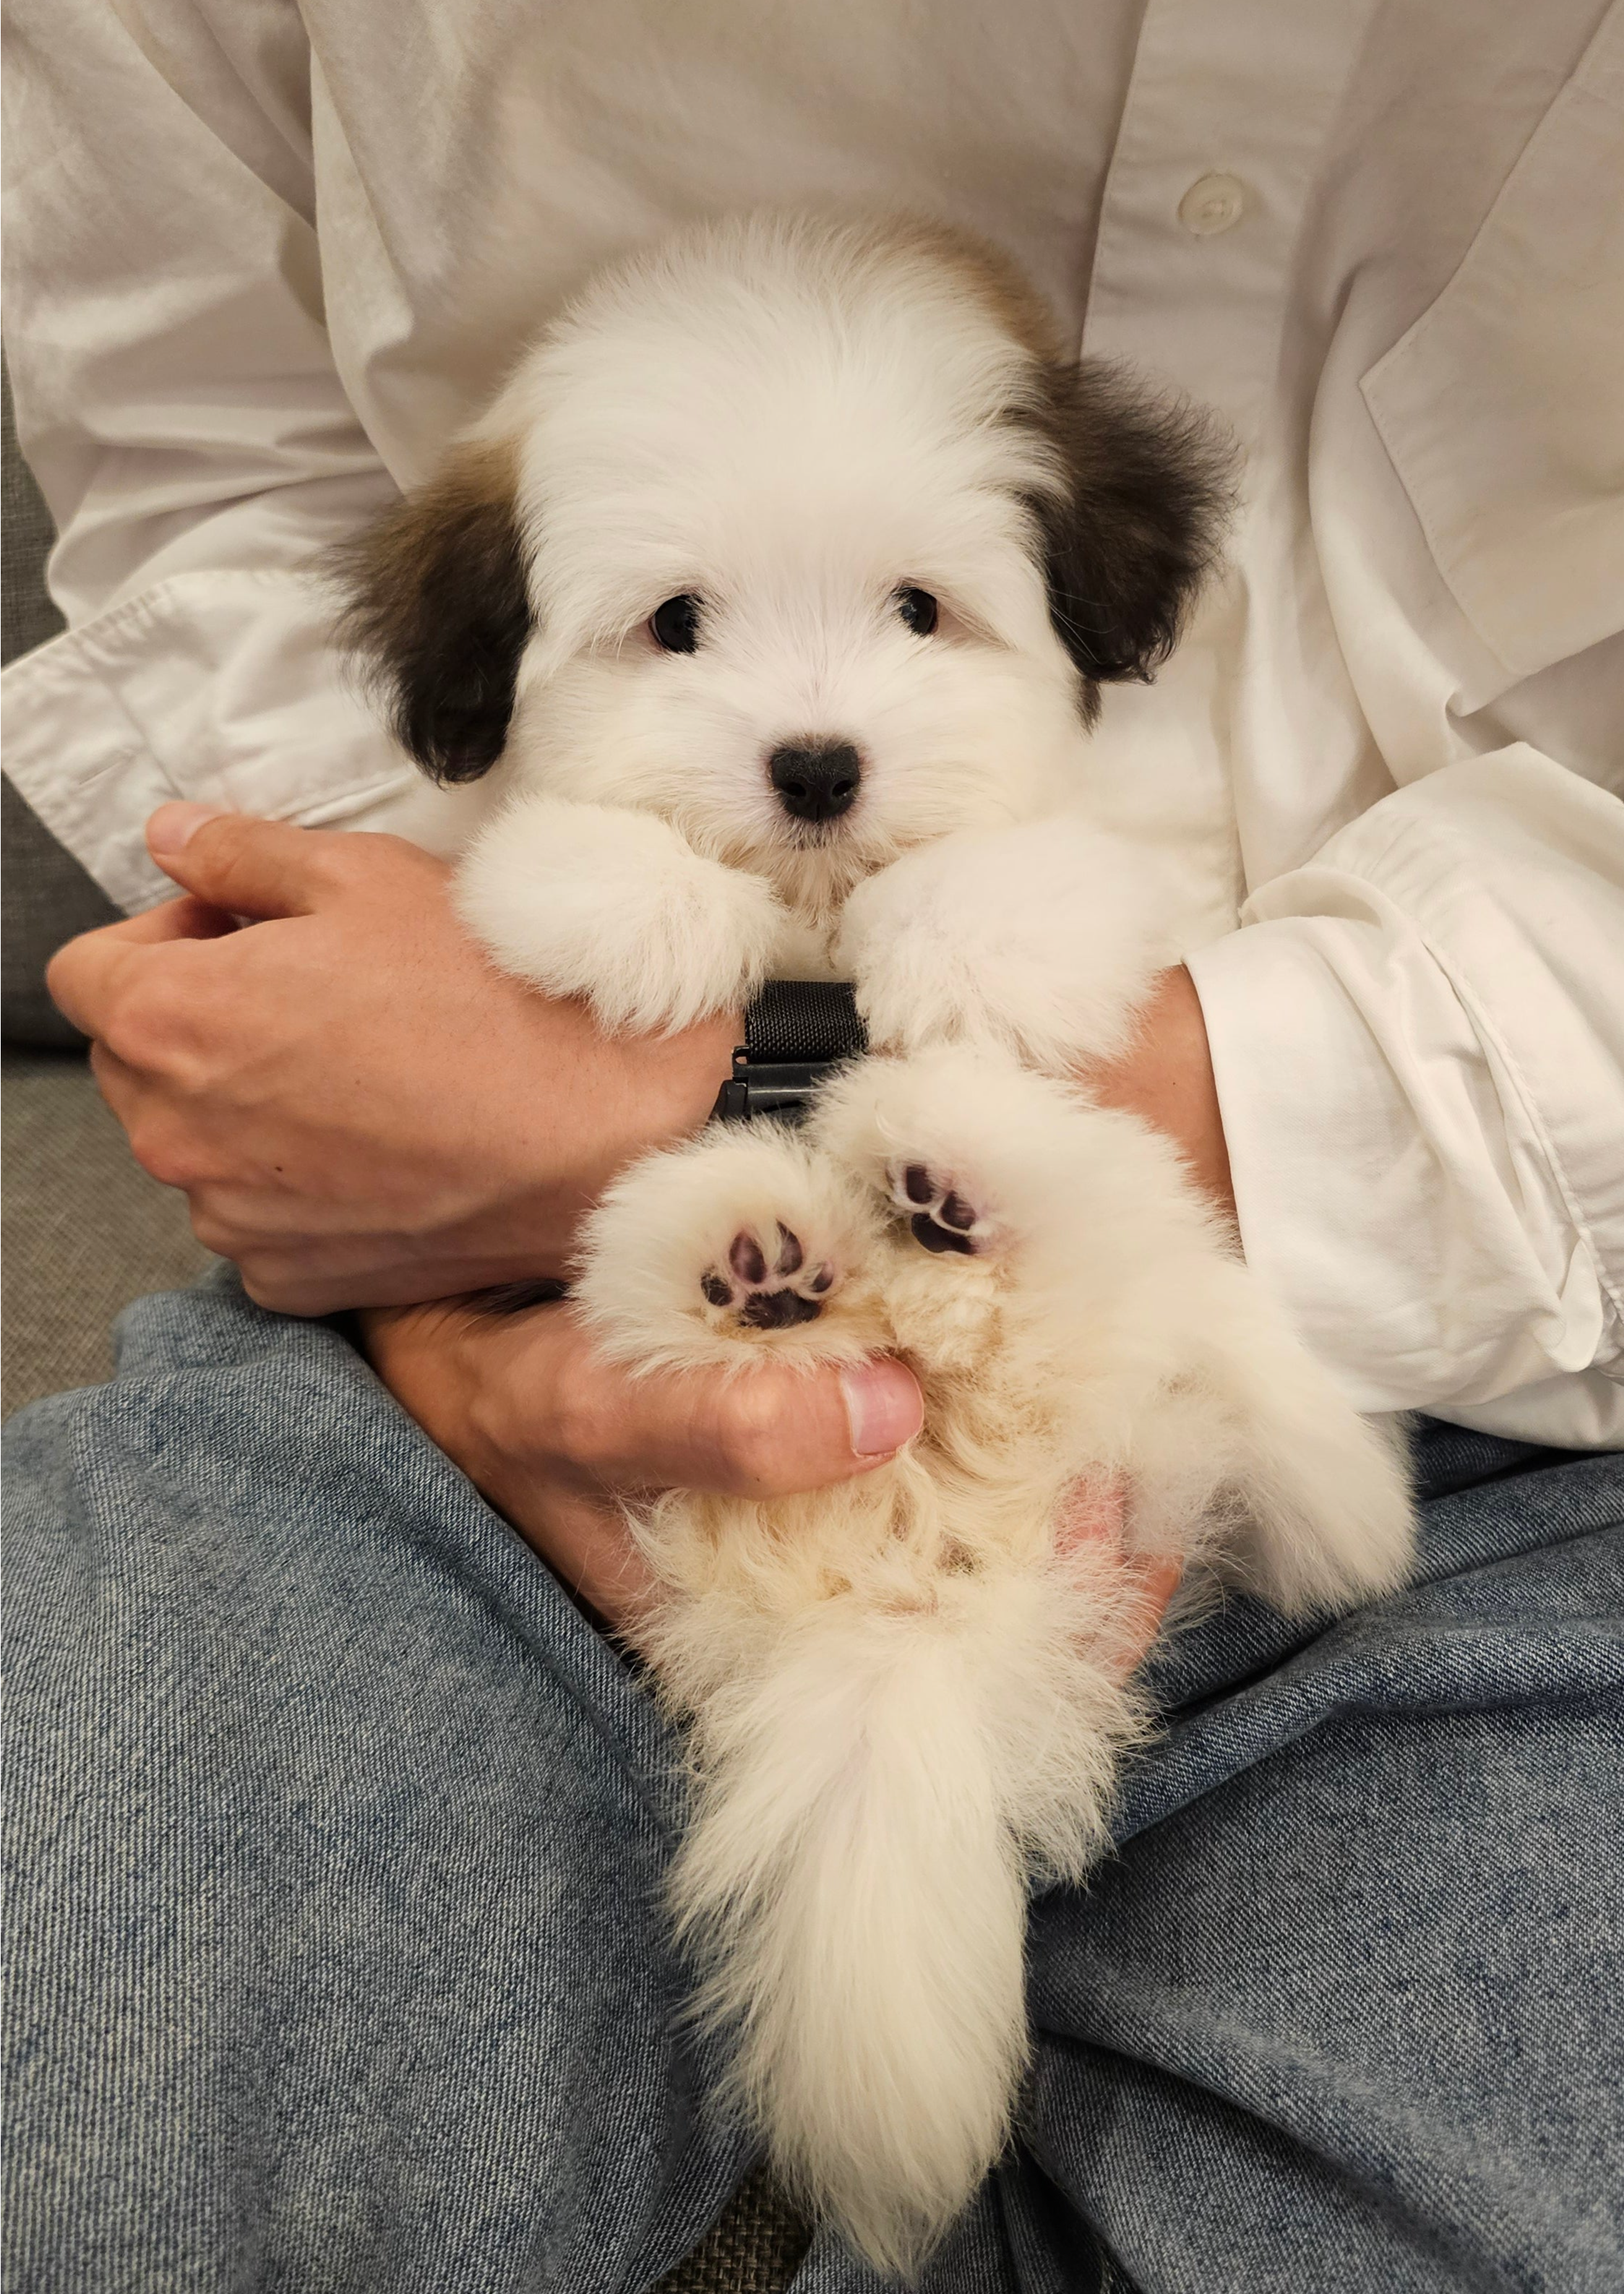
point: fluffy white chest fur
(759, 625)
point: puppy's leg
(1119, 1300)
(949, 1741)
(981, 1169)
(1327, 1515)
(1041, 939)
(600, 901)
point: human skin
(364, 1113)
(361, 1108)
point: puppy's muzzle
(815, 780)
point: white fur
(1043, 937)
(589, 899)
(906, 1694)
(906, 1698)
(791, 420)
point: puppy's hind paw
(741, 1242)
(941, 1216)
(768, 1287)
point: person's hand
(553, 1436)
(361, 1108)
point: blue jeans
(340, 1837)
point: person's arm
(1417, 1042)
(1165, 1079)
(177, 399)
(361, 1107)
(362, 1110)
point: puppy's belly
(896, 1539)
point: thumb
(777, 1428)
(258, 868)
(783, 1429)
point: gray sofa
(85, 1231)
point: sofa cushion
(48, 896)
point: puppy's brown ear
(1134, 528)
(438, 613)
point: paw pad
(766, 1293)
(938, 1216)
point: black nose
(815, 780)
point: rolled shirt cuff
(1392, 1190)
(219, 688)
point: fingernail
(173, 826)
(884, 1407)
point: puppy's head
(801, 533)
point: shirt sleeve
(1418, 1044)
(177, 399)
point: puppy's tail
(857, 1877)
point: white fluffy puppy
(763, 614)
(794, 549)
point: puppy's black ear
(438, 613)
(1134, 527)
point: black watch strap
(794, 1033)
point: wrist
(701, 1062)
(796, 1033)
(445, 1365)
(1166, 1080)
(597, 1105)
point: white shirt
(266, 255)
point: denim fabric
(339, 1839)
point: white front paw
(1041, 939)
(594, 901)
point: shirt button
(1212, 204)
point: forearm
(1166, 1080)
(1413, 1054)
(361, 1107)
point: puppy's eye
(675, 625)
(918, 610)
